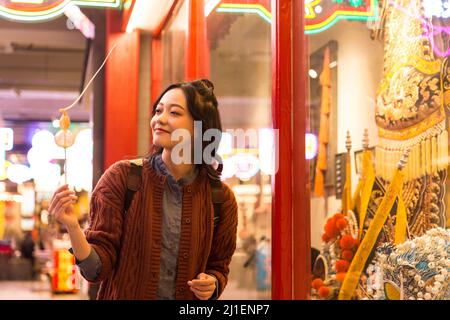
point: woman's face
(170, 114)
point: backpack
(134, 183)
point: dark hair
(202, 105)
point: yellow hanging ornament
(64, 138)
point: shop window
(240, 53)
(378, 213)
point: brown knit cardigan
(129, 246)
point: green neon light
(339, 17)
(58, 10)
(355, 3)
(345, 17)
(249, 10)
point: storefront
(341, 180)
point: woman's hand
(61, 207)
(203, 287)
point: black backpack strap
(133, 182)
(218, 197)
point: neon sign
(319, 14)
(322, 14)
(246, 8)
(42, 10)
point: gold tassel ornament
(428, 154)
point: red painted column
(282, 117)
(301, 186)
(197, 50)
(290, 215)
(121, 91)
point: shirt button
(185, 255)
(188, 189)
(187, 221)
(156, 243)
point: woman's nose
(162, 117)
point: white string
(90, 81)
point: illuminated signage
(41, 10)
(322, 14)
(6, 144)
(7, 138)
(319, 14)
(246, 8)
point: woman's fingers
(60, 197)
(60, 191)
(203, 295)
(202, 282)
(210, 287)
(65, 200)
(63, 187)
(63, 203)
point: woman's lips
(161, 131)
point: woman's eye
(175, 113)
(157, 111)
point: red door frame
(301, 206)
(290, 214)
(282, 265)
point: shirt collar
(159, 165)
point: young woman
(166, 245)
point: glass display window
(378, 111)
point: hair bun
(207, 84)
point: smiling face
(170, 114)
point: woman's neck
(177, 171)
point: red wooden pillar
(301, 186)
(121, 91)
(197, 51)
(290, 215)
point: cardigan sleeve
(224, 241)
(90, 267)
(106, 217)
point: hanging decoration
(321, 15)
(410, 114)
(64, 138)
(325, 107)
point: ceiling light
(312, 73)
